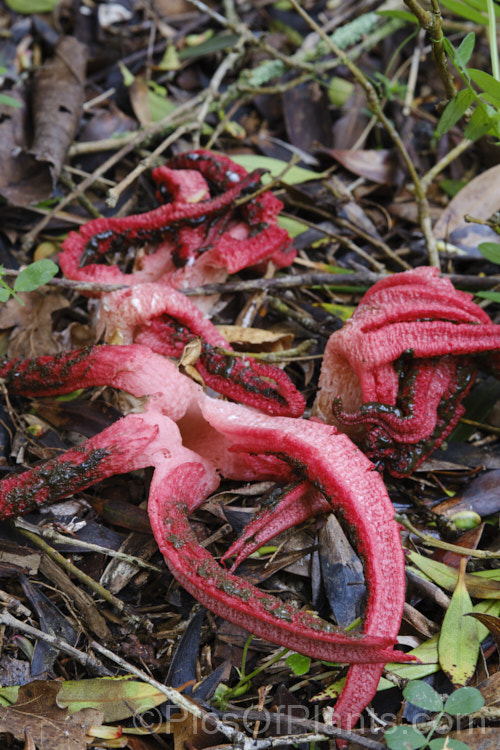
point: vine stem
(375, 106)
(430, 20)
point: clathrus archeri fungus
(194, 238)
(403, 364)
(191, 440)
(166, 321)
(199, 227)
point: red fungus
(238, 443)
(403, 364)
(166, 321)
(194, 230)
(153, 245)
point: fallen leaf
(256, 339)
(480, 198)
(31, 324)
(377, 166)
(52, 728)
(447, 577)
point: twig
(375, 106)
(117, 190)
(57, 538)
(433, 542)
(447, 159)
(138, 138)
(88, 661)
(430, 20)
(179, 699)
(95, 586)
(217, 78)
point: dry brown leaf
(257, 339)
(139, 98)
(30, 165)
(490, 690)
(31, 325)
(480, 198)
(377, 166)
(478, 738)
(36, 714)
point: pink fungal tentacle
(156, 243)
(416, 418)
(166, 321)
(238, 601)
(353, 488)
(287, 507)
(135, 369)
(403, 364)
(178, 230)
(153, 439)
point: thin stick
(117, 190)
(95, 586)
(375, 106)
(54, 536)
(88, 661)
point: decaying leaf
(37, 712)
(256, 339)
(32, 325)
(480, 198)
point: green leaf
(444, 743)
(458, 645)
(489, 84)
(447, 577)
(215, 43)
(4, 294)
(454, 110)
(465, 50)
(35, 275)
(465, 11)
(466, 700)
(490, 251)
(423, 695)
(294, 227)
(427, 652)
(404, 738)
(9, 101)
(479, 124)
(294, 176)
(344, 312)
(32, 6)
(452, 187)
(298, 663)
(117, 697)
(493, 296)
(159, 106)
